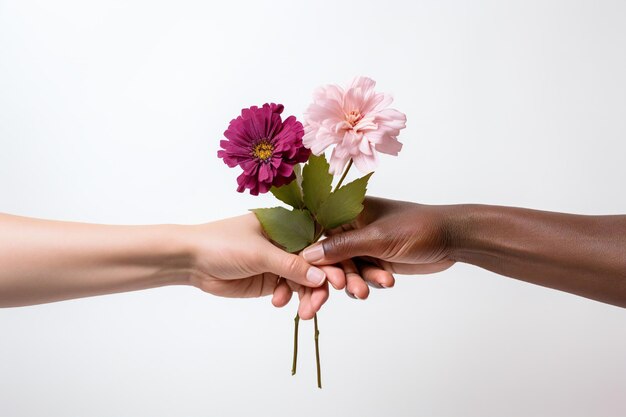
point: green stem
(317, 353)
(295, 344)
(343, 176)
(317, 237)
(296, 324)
(317, 332)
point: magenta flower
(264, 146)
(357, 121)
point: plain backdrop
(112, 112)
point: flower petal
(364, 83)
(265, 172)
(391, 118)
(365, 146)
(328, 92)
(390, 146)
(320, 140)
(323, 110)
(337, 163)
(385, 101)
(366, 123)
(366, 163)
(353, 100)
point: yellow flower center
(353, 117)
(263, 150)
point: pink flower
(357, 121)
(264, 146)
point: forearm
(584, 255)
(43, 261)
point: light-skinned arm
(43, 261)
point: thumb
(293, 268)
(340, 247)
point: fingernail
(375, 285)
(351, 295)
(315, 275)
(313, 253)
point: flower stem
(295, 344)
(317, 332)
(295, 332)
(318, 235)
(343, 176)
(317, 353)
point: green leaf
(316, 182)
(298, 171)
(289, 193)
(292, 229)
(344, 205)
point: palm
(253, 286)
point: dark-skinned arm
(583, 255)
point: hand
(232, 258)
(44, 261)
(579, 254)
(400, 237)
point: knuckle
(337, 245)
(291, 263)
(377, 233)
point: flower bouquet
(287, 159)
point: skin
(43, 261)
(583, 255)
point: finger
(375, 276)
(340, 247)
(355, 285)
(415, 269)
(311, 299)
(292, 267)
(318, 297)
(335, 276)
(282, 294)
(305, 309)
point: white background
(112, 112)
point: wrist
(462, 227)
(175, 254)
